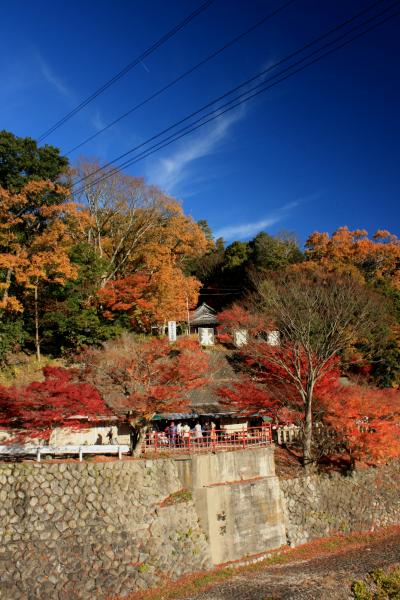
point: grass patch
(378, 585)
(177, 497)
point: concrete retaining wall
(237, 498)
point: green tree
(236, 255)
(21, 160)
(70, 314)
(12, 335)
(204, 226)
(275, 252)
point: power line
(236, 88)
(220, 294)
(183, 75)
(162, 40)
(217, 113)
(242, 98)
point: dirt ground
(318, 578)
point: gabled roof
(203, 315)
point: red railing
(215, 440)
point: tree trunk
(308, 423)
(7, 286)
(37, 338)
(140, 434)
(352, 462)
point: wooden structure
(203, 316)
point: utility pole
(188, 315)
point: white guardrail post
(39, 451)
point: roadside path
(326, 578)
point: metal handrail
(212, 440)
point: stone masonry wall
(318, 506)
(74, 531)
(91, 530)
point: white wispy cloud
(243, 231)
(171, 171)
(97, 121)
(52, 79)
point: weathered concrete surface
(199, 470)
(237, 498)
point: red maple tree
(236, 317)
(366, 420)
(269, 382)
(128, 296)
(32, 411)
(142, 377)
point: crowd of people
(182, 434)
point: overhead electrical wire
(245, 96)
(184, 74)
(189, 129)
(244, 84)
(242, 99)
(162, 40)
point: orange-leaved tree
(354, 253)
(148, 299)
(35, 239)
(135, 226)
(146, 241)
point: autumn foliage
(354, 253)
(366, 420)
(236, 317)
(142, 377)
(34, 410)
(34, 239)
(268, 385)
(146, 299)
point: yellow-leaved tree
(145, 239)
(36, 227)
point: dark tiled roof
(203, 315)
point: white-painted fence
(39, 451)
(286, 434)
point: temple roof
(203, 315)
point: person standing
(186, 434)
(179, 434)
(172, 433)
(198, 433)
(213, 434)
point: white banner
(206, 336)
(172, 331)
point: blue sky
(318, 151)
